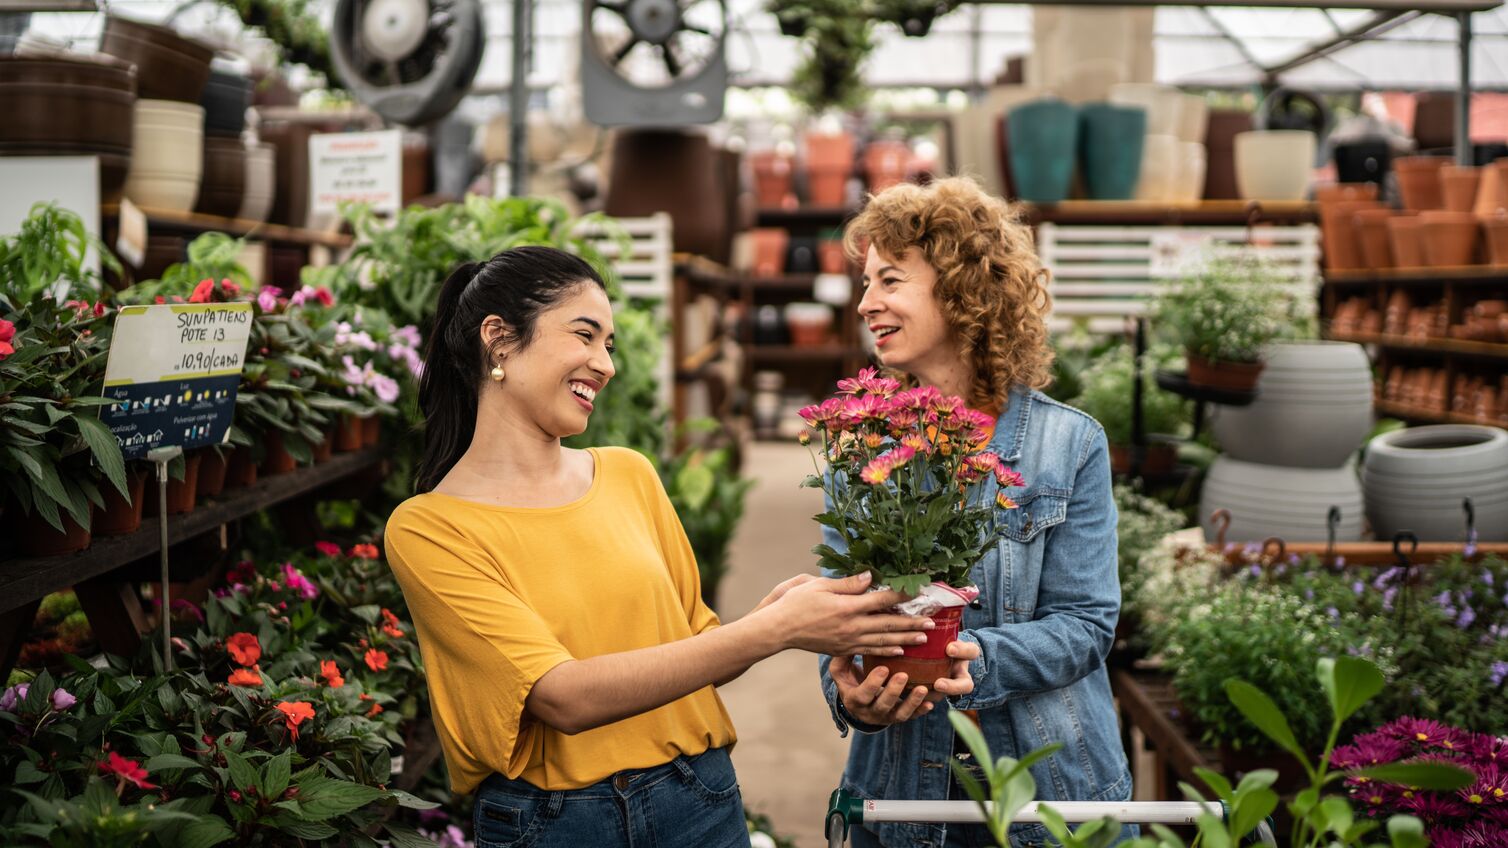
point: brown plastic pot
(223, 184)
(36, 538)
(371, 431)
(1450, 238)
(168, 66)
(325, 448)
(1497, 239)
(121, 513)
(1406, 237)
(1233, 376)
(348, 436)
(212, 470)
(1458, 187)
(240, 468)
(1160, 459)
(275, 458)
(1419, 181)
(1223, 125)
(181, 493)
(1372, 237)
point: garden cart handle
(845, 809)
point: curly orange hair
(991, 286)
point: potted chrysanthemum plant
(906, 477)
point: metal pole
(1463, 93)
(1145, 812)
(518, 99)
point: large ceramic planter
(59, 106)
(1188, 186)
(1158, 181)
(225, 100)
(1416, 479)
(1043, 143)
(223, 183)
(1449, 238)
(168, 160)
(1231, 376)
(168, 66)
(1274, 165)
(1193, 119)
(1313, 408)
(650, 172)
(1110, 149)
(1276, 500)
(1419, 181)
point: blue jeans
(689, 802)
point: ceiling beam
(1377, 24)
(1225, 33)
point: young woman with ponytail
(571, 663)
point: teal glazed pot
(1043, 140)
(1110, 149)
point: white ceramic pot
(1158, 182)
(1274, 164)
(261, 182)
(1191, 167)
(1193, 119)
(1164, 104)
(167, 155)
(1313, 407)
(1272, 500)
(1417, 479)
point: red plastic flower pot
(927, 663)
(121, 514)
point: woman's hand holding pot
(881, 698)
(840, 617)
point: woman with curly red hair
(956, 298)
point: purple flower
(1358, 587)
(1255, 570)
(1471, 544)
(13, 696)
(1443, 599)
(1388, 596)
(1333, 613)
(408, 335)
(61, 700)
(1467, 616)
(1499, 673)
(1308, 594)
(1486, 577)
(267, 298)
(1340, 561)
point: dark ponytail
(515, 285)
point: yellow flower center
(1421, 736)
(1475, 799)
(1497, 793)
(1407, 794)
(1375, 799)
(1448, 744)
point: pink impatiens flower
(267, 298)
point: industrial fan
(653, 62)
(411, 61)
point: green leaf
(1261, 711)
(1407, 832)
(203, 832)
(1251, 809)
(411, 802)
(243, 775)
(275, 776)
(292, 826)
(1338, 816)
(1349, 682)
(1215, 781)
(106, 450)
(27, 773)
(403, 836)
(170, 761)
(325, 798)
(1432, 776)
(1212, 831)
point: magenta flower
(881, 467)
(408, 335)
(267, 298)
(818, 415)
(1008, 478)
(1423, 732)
(13, 696)
(298, 583)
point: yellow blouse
(501, 595)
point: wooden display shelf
(24, 580)
(1139, 213)
(1437, 345)
(805, 217)
(1468, 274)
(719, 278)
(1162, 752)
(197, 223)
(1408, 412)
(798, 353)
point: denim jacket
(1050, 597)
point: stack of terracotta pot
(1339, 204)
(1423, 388)
(168, 128)
(1483, 321)
(1481, 396)
(1454, 206)
(1356, 315)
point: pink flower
(7, 334)
(881, 467)
(267, 298)
(297, 582)
(324, 296)
(385, 387)
(202, 292)
(1008, 478)
(818, 415)
(852, 385)
(916, 442)
(408, 335)
(62, 700)
(329, 549)
(13, 696)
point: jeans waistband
(618, 785)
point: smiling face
(554, 381)
(901, 310)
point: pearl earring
(497, 373)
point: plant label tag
(172, 374)
(364, 167)
(131, 244)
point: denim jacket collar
(1010, 427)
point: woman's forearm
(581, 695)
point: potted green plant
(708, 494)
(281, 410)
(1224, 314)
(1106, 389)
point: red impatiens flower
(375, 711)
(364, 551)
(244, 572)
(376, 660)
(244, 648)
(391, 625)
(7, 333)
(202, 291)
(294, 714)
(126, 771)
(331, 673)
(329, 549)
(230, 289)
(246, 677)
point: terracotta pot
(348, 434)
(240, 468)
(1234, 376)
(121, 514)
(1458, 187)
(886, 163)
(1160, 459)
(371, 431)
(1406, 237)
(181, 493)
(1338, 231)
(36, 538)
(1339, 192)
(1372, 237)
(275, 458)
(830, 257)
(769, 250)
(1450, 238)
(1419, 181)
(1497, 239)
(925, 664)
(168, 66)
(325, 448)
(212, 471)
(827, 186)
(825, 150)
(223, 184)
(773, 174)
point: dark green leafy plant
(48, 253)
(1106, 393)
(708, 495)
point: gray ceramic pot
(1313, 408)
(1417, 479)
(1274, 500)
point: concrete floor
(789, 756)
